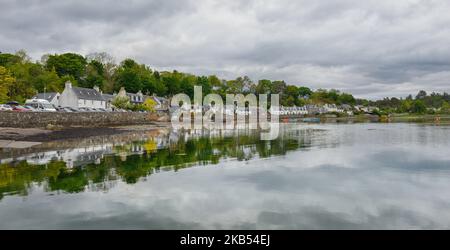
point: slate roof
(46, 96)
(108, 97)
(88, 94)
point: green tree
(48, 81)
(109, 68)
(264, 87)
(68, 64)
(6, 82)
(23, 87)
(445, 108)
(421, 95)
(7, 59)
(129, 76)
(149, 104)
(121, 102)
(304, 91)
(172, 81)
(345, 98)
(94, 75)
(278, 87)
(205, 83)
(418, 106)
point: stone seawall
(79, 119)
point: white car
(5, 107)
(40, 105)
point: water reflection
(360, 176)
(94, 166)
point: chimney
(122, 92)
(68, 85)
(96, 88)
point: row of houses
(313, 109)
(77, 97)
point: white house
(77, 97)
(161, 102)
(330, 108)
(137, 98)
(368, 109)
(51, 97)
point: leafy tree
(121, 102)
(109, 68)
(21, 89)
(205, 83)
(278, 87)
(264, 87)
(345, 98)
(48, 81)
(445, 108)
(421, 95)
(94, 75)
(129, 76)
(8, 59)
(418, 106)
(405, 106)
(292, 90)
(304, 91)
(172, 81)
(68, 64)
(149, 104)
(6, 82)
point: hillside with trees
(21, 78)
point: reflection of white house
(51, 97)
(76, 97)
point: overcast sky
(369, 48)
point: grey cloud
(370, 48)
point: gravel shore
(46, 135)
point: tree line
(21, 78)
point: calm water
(353, 176)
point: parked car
(41, 105)
(69, 109)
(12, 103)
(19, 108)
(5, 107)
(85, 109)
(31, 108)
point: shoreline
(39, 134)
(47, 135)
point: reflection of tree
(18, 178)
(71, 181)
